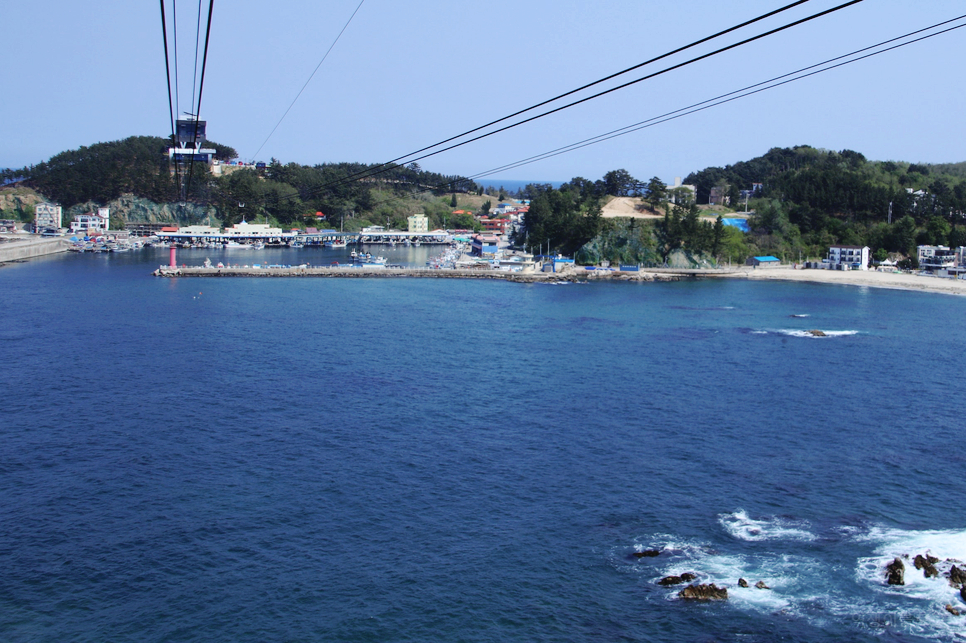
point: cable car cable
(386, 166)
(311, 76)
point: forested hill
(288, 193)
(104, 171)
(810, 198)
(843, 184)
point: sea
(307, 459)
(514, 185)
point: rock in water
(952, 610)
(648, 553)
(962, 592)
(926, 565)
(742, 582)
(895, 572)
(957, 577)
(670, 580)
(704, 593)
(761, 585)
(817, 333)
(687, 577)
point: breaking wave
(808, 582)
(742, 527)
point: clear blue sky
(405, 75)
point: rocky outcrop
(927, 564)
(134, 209)
(742, 582)
(761, 585)
(952, 610)
(704, 593)
(895, 572)
(686, 577)
(962, 593)
(957, 577)
(647, 553)
(817, 333)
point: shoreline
(871, 279)
(864, 278)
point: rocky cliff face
(18, 203)
(137, 210)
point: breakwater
(572, 276)
(29, 248)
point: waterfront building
(92, 222)
(47, 216)
(145, 229)
(932, 258)
(766, 261)
(853, 257)
(245, 229)
(418, 223)
(484, 245)
(200, 231)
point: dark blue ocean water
(444, 460)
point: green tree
(904, 235)
(656, 192)
(717, 236)
(734, 195)
(453, 202)
(619, 182)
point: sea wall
(29, 248)
(349, 272)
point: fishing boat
(335, 243)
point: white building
(46, 216)
(418, 223)
(855, 257)
(92, 222)
(936, 257)
(200, 231)
(245, 229)
(673, 196)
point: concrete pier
(349, 272)
(19, 249)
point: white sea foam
(927, 613)
(808, 587)
(742, 527)
(793, 332)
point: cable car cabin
(191, 131)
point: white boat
(234, 245)
(336, 243)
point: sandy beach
(869, 278)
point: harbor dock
(30, 247)
(346, 271)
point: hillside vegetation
(136, 170)
(808, 199)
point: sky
(405, 75)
